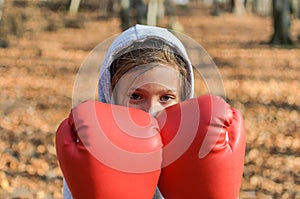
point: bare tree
(234, 6)
(4, 22)
(298, 9)
(281, 22)
(155, 11)
(1, 7)
(216, 10)
(74, 6)
(262, 7)
(132, 12)
(295, 4)
(238, 7)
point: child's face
(151, 90)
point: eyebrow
(139, 89)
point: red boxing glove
(204, 148)
(109, 151)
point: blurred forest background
(44, 42)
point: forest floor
(39, 67)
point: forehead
(161, 74)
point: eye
(167, 98)
(135, 97)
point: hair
(148, 52)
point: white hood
(126, 39)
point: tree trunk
(4, 23)
(152, 12)
(140, 8)
(216, 11)
(262, 7)
(281, 23)
(125, 13)
(74, 6)
(239, 8)
(1, 8)
(295, 5)
(298, 9)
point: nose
(154, 108)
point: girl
(146, 68)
